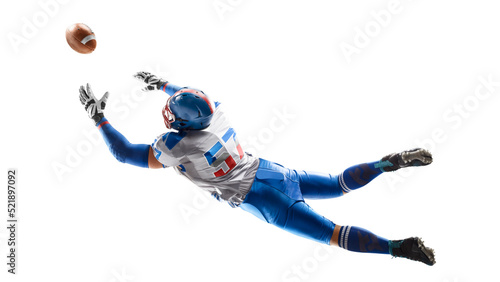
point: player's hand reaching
(94, 107)
(153, 82)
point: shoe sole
(422, 155)
(428, 252)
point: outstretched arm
(135, 154)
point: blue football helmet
(188, 109)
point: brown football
(81, 38)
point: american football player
(201, 145)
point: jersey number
(225, 157)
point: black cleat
(415, 157)
(412, 248)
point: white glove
(94, 107)
(154, 82)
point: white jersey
(212, 158)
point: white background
(294, 96)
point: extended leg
(315, 185)
(278, 208)
(300, 219)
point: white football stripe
(346, 238)
(343, 185)
(341, 241)
(88, 38)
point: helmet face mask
(168, 116)
(188, 109)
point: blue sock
(358, 176)
(357, 239)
